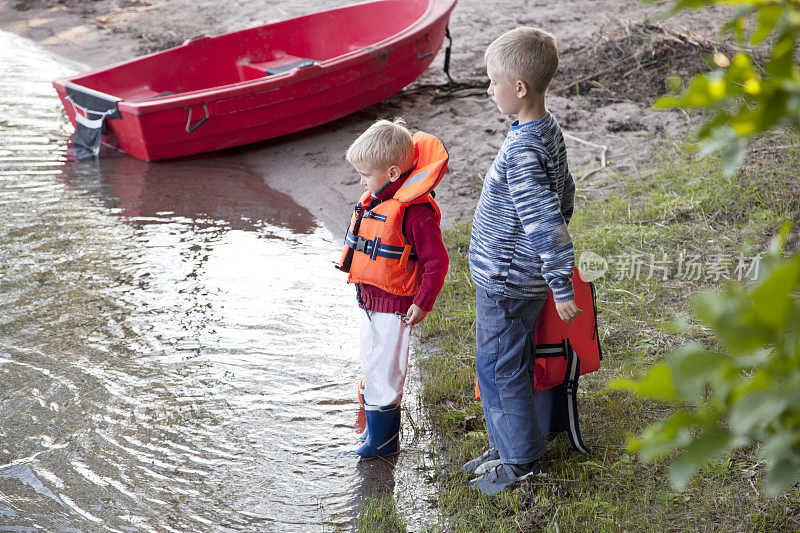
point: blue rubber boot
(383, 432)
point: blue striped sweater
(520, 245)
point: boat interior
(259, 52)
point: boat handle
(419, 47)
(189, 120)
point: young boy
(520, 249)
(395, 255)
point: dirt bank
(309, 165)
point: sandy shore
(310, 166)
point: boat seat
(154, 95)
(142, 93)
(280, 65)
(300, 63)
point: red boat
(237, 88)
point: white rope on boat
(84, 119)
(603, 149)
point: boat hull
(253, 110)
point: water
(177, 352)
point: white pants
(384, 357)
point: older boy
(520, 249)
(395, 255)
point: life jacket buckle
(361, 244)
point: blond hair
(382, 145)
(527, 54)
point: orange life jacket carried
(555, 338)
(376, 251)
(563, 353)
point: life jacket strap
(570, 387)
(567, 391)
(595, 335)
(374, 248)
(551, 350)
(407, 251)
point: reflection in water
(208, 191)
(377, 477)
(174, 348)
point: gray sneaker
(480, 465)
(503, 476)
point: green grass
(378, 513)
(684, 205)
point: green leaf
(733, 156)
(704, 90)
(779, 444)
(772, 297)
(758, 380)
(657, 384)
(777, 243)
(712, 443)
(741, 68)
(692, 367)
(666, 102)
(756, 411)
(781, 60)
(679, 324)
(750, 360)
(782, 473)
(729, 317)
(675, 84)
(664, 437)
(690, 4)
(717, 137)
(768, 16)
(711, 306)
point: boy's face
(373, 178)
(504, 92)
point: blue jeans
(505, 351)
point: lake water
(177, 352)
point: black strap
(447, 54)
(348, 259)
(595, 334)
(571, 398)
(360, 301)
(551, 350)
(375, 248)
(568, 390)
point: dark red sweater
(422, 231)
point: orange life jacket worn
(376, 252)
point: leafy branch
(746, 392)
(745, 100)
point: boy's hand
(568, 310)
(415, 315)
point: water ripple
(173, 338)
